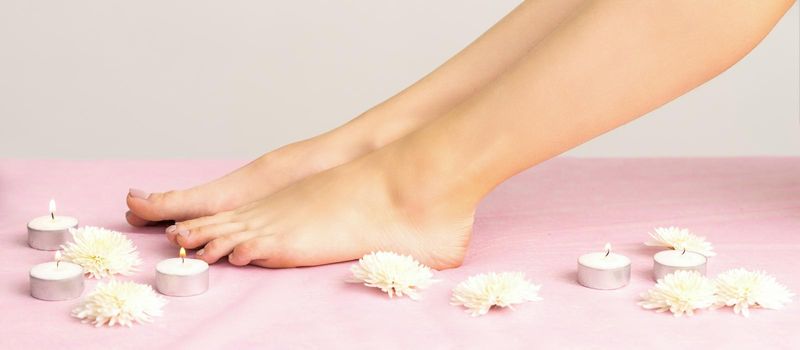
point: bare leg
(612, 62)
(432, 96)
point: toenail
(171, 229)
(183, 232)
(137, 193)
(201, 251)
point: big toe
(135, 220)
(172, 205)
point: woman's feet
(336, 215)
(259, 178)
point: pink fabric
(539, 223)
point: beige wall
(146, 78)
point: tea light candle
(56, 280)
(669, 261)
(51, 231)
(181, 277)
(604, 270)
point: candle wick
(608, 252)
(52, 215)
(684, 251)
(183, 260)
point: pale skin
(407, 175)
(457, 79)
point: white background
(214, 79)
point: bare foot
(255, 180)
(336, 215)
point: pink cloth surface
(539, 222)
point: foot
(336, 215)
(258, 179)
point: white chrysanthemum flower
(393, 273)
(680, 292)
(680, 239)
(480, 292)
(742, 289)
(102, 252)
(120, 303)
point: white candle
(49, 232)
(604, 270)
(669, 261)
(182, 276)
(56, 280)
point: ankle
(421, 189)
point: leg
(611, 63)
(432, 96)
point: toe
(224, 245)
(134, 220)
(173, 205)
(218, 218)
(264, 248)
(273, 263)
(198, 236)
(173, 238)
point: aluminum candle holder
(669, 261)
(181, 277)
(604, 270)
(56, 281)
